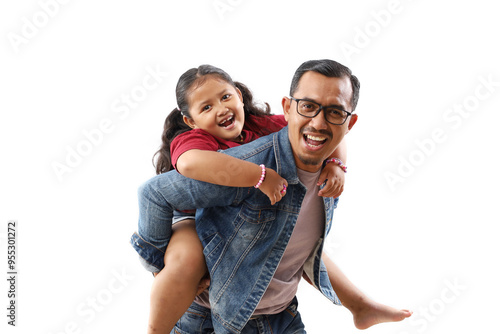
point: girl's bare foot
(375, 313)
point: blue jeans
(198, 320)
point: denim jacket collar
(285, 158)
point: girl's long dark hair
(174, 123)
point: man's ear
(352, 120)
(189, 122)
(285, 103)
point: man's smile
(314, 139)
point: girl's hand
(334, 175)
(274, 186)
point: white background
(66, 67)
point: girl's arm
(334, 174)
(222, 169)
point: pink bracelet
(338, 162)
(262, 176)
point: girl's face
(216, 107)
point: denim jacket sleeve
(158, 198)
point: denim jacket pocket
(252, 222)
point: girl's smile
(228, 123)
(216, 107)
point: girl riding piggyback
(213, 113)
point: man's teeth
(315, 138)
(314, 141)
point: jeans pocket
(289, 321)
(177, 330)
(196, 320)
(292, 309)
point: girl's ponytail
(251, 107)
(174, 126)
(257, 111)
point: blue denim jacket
(243, 235)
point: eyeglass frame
(319, 110)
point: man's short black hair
(328, 68)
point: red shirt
(197, 139)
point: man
(256, 252)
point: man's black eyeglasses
(333, 114)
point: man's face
(314, 139)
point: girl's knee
(185, 262)
(184, 254)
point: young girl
(216, 113)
